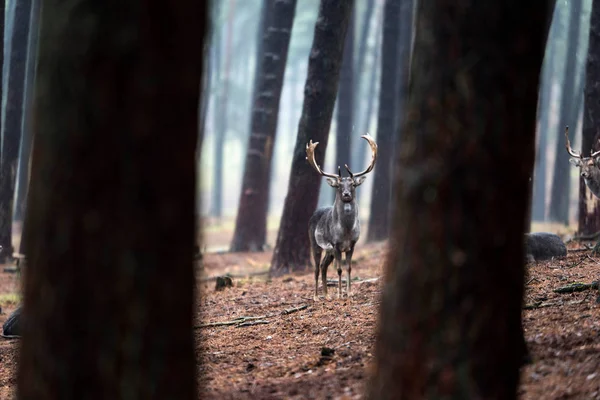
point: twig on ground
(531, 280)
(576, 287)
(294, 309)
(251, 323)
(252, 320)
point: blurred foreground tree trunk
(560, 195)
(292, 249)
(251, 223)
(112, 227)
(379, 216)
(6, 174)
(450, 322)
(589, 205)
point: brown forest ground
(282, 357)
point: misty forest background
(231, 79)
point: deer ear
(575, 161)
(332, 182)
(358, 181)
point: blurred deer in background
(336, 229)
(589, 169)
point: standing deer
(336, 229)
(589, 170)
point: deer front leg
(349, 270)
(338, 265)
(324, 265)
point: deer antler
(572, 152)
(310, 157)
(568, 145)
(373, 145)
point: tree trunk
(561, 188)
(386, 120)
(221, 118)
(362, 118)
(371, 96)
(292, 249)
(345, 101)
(450, 322)
(11, 117)
(251, 223)
(589, 205)
(114, 228)
(27, 136)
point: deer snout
(346, 195)
(585, 174)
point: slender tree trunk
(292, 247)
(386, 120)
(108, 217)
(12, 114)
(451, 308)
(221, 124)
(27, 136)
(589, 205)
(345, 98)
(251, 224)
(560, 194)
(371, 96)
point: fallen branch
(592, 236)
(252, 323)
(576, 287)
(252, 320)
(334, 282)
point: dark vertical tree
(378, 228)
(26, 132)
(450, 322)
(221, 123)
(362, 118)
(251, 223)
(14, 78)
(371, 93)
(345, 101)
(324, 64)
(589, 205)
(112, 98)
(560, 191)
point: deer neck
(593, 183)
(345, 213)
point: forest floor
(291, 347)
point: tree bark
(27, 136)
(292, 247)
(450, 322)
(589, 205)
(386, 121)
(13, 77)
(561, 189)
(221, 122)
(251, 223)
(345, 101)
(112, 203)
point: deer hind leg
(317, 256)
(349, 270)
(324, 265)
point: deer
(336, 229)
(589, 168)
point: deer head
(344, 186)
(589, 167)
